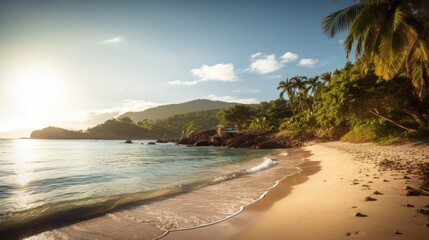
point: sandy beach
(342, 191)
(328, 199)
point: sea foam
(267, 163)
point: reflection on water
(37, 172)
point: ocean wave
(267, 163)
(54, 214)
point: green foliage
(260, 124)
(114, 129)
(360, 134)
(352, 97)
(58, 133)
(374, 131)
(166, 111)
(240, 115)
(182, 124)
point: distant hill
(166, 111)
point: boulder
(203, 143)
(192, 138)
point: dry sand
(321, 202)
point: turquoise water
(51, 176)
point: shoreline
(328, 199)
(234, 225)
(324, 197)
(190, 210)
(305, 168)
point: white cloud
(308, 62)
(256, 55)
(233, 99)
(186, 83)
(265, 64)
(341, 41)
(117, 39)
(289, 57)
(218, 72)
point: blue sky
(106, 57)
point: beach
(339, 191)
(321, 202)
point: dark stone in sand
(409, 205)
(415, 192)
(365, 185)
(398, 232)
(408, 188)
(369, 199)
(359, 214)
(386, 180)
(128, 141)
(377, 193)
(151, 143)
(423, 211)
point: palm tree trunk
(378, 114)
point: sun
(36, 90)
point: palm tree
(392, 35)
(313, 85)
(287, 87)
(300, 84)
(326, 77)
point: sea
(79, 189)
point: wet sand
(322, 201)
(332, 197)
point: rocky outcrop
(192, 138)
(245, 140)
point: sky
(74, 64)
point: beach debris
(409, 205)
(423, 211)
(397, 232)
(369, 199)
(377, 193)
(355, 207)
(359, 214)
(385, 180)
(416, 192)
